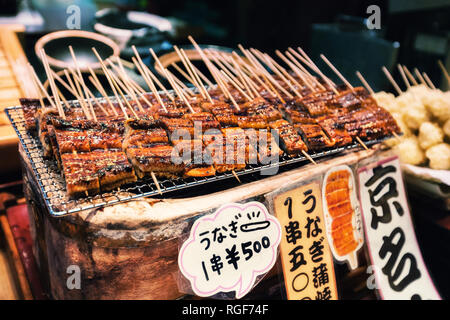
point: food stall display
(124, 187)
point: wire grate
(52, 186)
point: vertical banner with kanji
(399, 270)
(305, 253)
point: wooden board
(15, 83)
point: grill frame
(52, 187)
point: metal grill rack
(52, 186)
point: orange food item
(341, 211)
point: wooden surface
(8, 289)
(15, 83)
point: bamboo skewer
(264, 72)
(403, 75)
(332, 67)
(251, 72)
(81, 80)
(214, 72)
(197, 75)
(39, 83)
(186, 76)
(307, 77)
(97, 84)
(150, 75)
(52, 84)
(391, 79)
(148, 81)
(295, 69)
(420, 77)
(92, 96)
(246, 96)
(38, 89)
(281, 72)
(123, 84)
(225, 69)
(77, 87)
(365, 83)
(194, 79)
(428, 81)
(111, 83)
(313, 67)
(410, 76)
(247, 83)
(444, 71)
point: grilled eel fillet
(99, 145)
(147, 147)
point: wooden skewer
(313, 67)
(295, 69)
(419, 75)
(150, 74)
(41, 87)
(212, 69)
(52, 85)
(365, 83)
(65, 84)
(332, 67)
(156, 182)
(177, 89)
(131, 83)
(92, 96)
(123, 83)
(119, 86)
(402, 73)
(410, 76)
(444, 71)
(149, 82)
(250, 55)
(245, 80)
(80, 97)
(391, 79)
(225, 69)
(176, 67)
(214, 72)
(192, 75)
(308, 157)
(81, 80)
(246, 96)
(428, 80)
(197, 75)
(111, 83)
(307, 77)
(361, 143)
(38, 90)
(202, 76)
(97, 84)
(236, 176)
(283, 74)
(252, 73)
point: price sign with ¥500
(227, 250)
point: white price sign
(227, 250)
(400, 272)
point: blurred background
(413, 32)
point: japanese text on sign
(305, 253)
(227, 250)
(390, 234)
